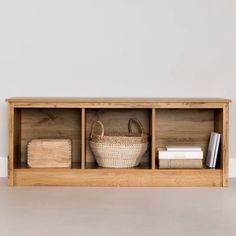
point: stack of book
(180, 157)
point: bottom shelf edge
(146, 178)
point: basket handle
(137, 123)
(98, 122)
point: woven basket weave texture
(119, 150)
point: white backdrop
(125, 48)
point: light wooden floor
(87, 211)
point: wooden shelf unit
(167, 121)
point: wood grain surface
(116, 120)
(171, 121)
(116, 177)
(51, 124)
(49, 153)
(183, 127)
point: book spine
(180, 155)
(183, 149)
(177, 164)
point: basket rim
(120, 135)
(118, 143)
(119, 140)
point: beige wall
(142, 48)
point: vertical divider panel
(83, 138)
(153, 138)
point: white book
(180, 155)
(183, 148)
(213, 150)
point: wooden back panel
(184, 127)
(116, 120)
(51, 123)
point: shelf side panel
(10, 145)
(225, 155)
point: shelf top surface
(114, 100)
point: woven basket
(119, 150)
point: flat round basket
(119, 150)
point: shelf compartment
(118, 177)
(191, 127)
(36, 123)
(117, 120)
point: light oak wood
(11, 142)
(222, 127)
(111, 177)
(51, 124)
(167, 121)
(184, 127)
(153, 138)
(116, 100)
(120, 105)
(49, 153)
(17, 136)
(225, 139)
(83, 138)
